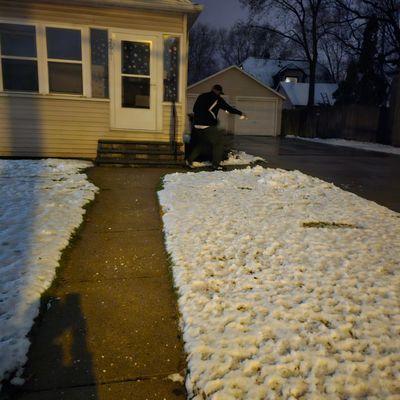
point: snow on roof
(297, 93)
(265, 69)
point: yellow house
(82, 76)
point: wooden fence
(354, 122)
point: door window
(136, 80)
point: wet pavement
(374, 176)
(109, 324)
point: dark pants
(206, 138)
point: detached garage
(260, 103)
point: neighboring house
(259, 102)
(77, 72)
(297, 94)
(272, 72)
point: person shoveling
(206, 132)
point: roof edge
(243, 72)
(127, 4)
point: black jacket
(207, 107)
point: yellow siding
(106, 17)
(47, 127)
(168, 122)
(50, 127)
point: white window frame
(42, 59)
(85, 61)
(19, 58)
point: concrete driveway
(374, 176)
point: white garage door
(262, 113)
(222, 116)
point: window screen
(171, 68)
(99, 62)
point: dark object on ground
(206, 154)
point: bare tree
(243, 41)
(202, 52)
(388, 14)
(304, 23)
(342, 42)
(335, 56)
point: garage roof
(244, 73)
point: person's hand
(244, 116)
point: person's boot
(189, 164)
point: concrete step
(130, 161)
(130, 145)
(139, 153)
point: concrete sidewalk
(111, 328)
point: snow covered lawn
(380, 148)
(289, 286)
(41, 204)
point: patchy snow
(235, 158)
(41, 204)
(288, 286)
(381, 148)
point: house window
(19, 57)
(171, 68)
(291, 79)
(99, 62)
(64, 57)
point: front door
(135, 82)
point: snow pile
(41, 204)
(289, 286)
(235, 158)
(380, 148)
